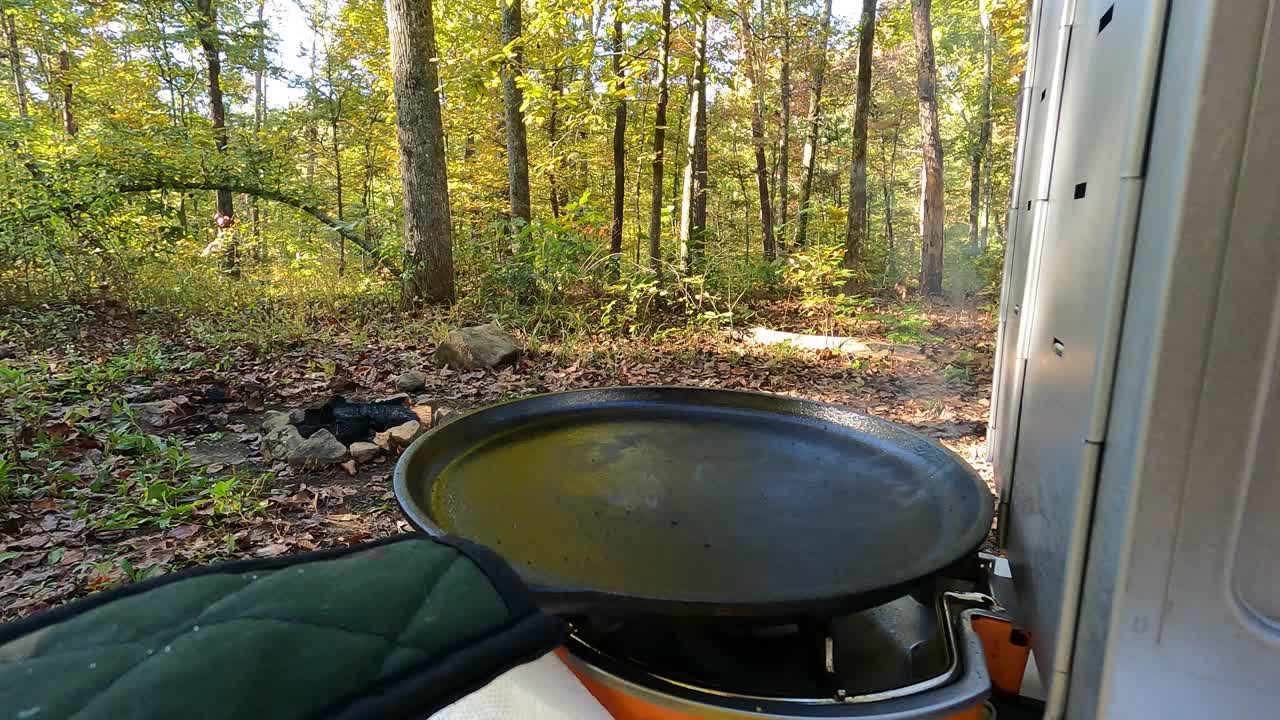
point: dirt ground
(65, 532)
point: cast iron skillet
(688, 501)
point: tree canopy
(119, 145)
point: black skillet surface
(688, 501)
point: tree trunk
(513, 100)
(890, 169)
(678, 167)
(64, 76)
(552, 118)
(932, 215)
(693, 202)
(659, 144)
(224, 218)
(619, 136)
(428, 238)
(259, 115)
(815, 117)
(855, 232)
(980, 149)
(584, 163)
(335, 116)
(986, 200)
(784, 142)
(311, 133)
(15, 65)
(755, 77)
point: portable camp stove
(914, 657)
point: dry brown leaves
(48, 557)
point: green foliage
(139, 81)
(56, 413)
(908, 326)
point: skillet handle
(565, 603)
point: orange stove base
(628, 707)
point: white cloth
(541, 690)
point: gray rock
(422, 400)
(226, 451)
(443, 415)
(281, 444)
(273, 420)
(322, 448)
(364, 451)
(157, 414)
(297, 415)
(411, 381)
(402, 435)
(484, 346)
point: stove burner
(902, 659)
(873, 651)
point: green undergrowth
(69, 438)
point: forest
(213, 209)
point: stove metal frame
(964, 684)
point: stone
(364, 451)
(280, 444)
(227, 450)
(405, 433)
(411, 381)
(443, 415)
(383, 439)
(483, 346)
(273, 420)
(422, 400)
(424, 414)
(297, 415)
(322, 448)
(157, 414)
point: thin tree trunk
(855, 233)
(639, 172)
(552, 118)
(428, 229)
(890, 171)
(981, 150)
(677, 168)
(335, 115)
(784, 142)
(15, 65)
(619, 136)
(755, 77)
(44, 67)
(986, 200)
(815, 118)
(932, 211)
(69, 125)
(312, 134)
(513, 100)
(693, 202)
(259, 115)
(584, 163)
(659, 144)
(224, 218)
